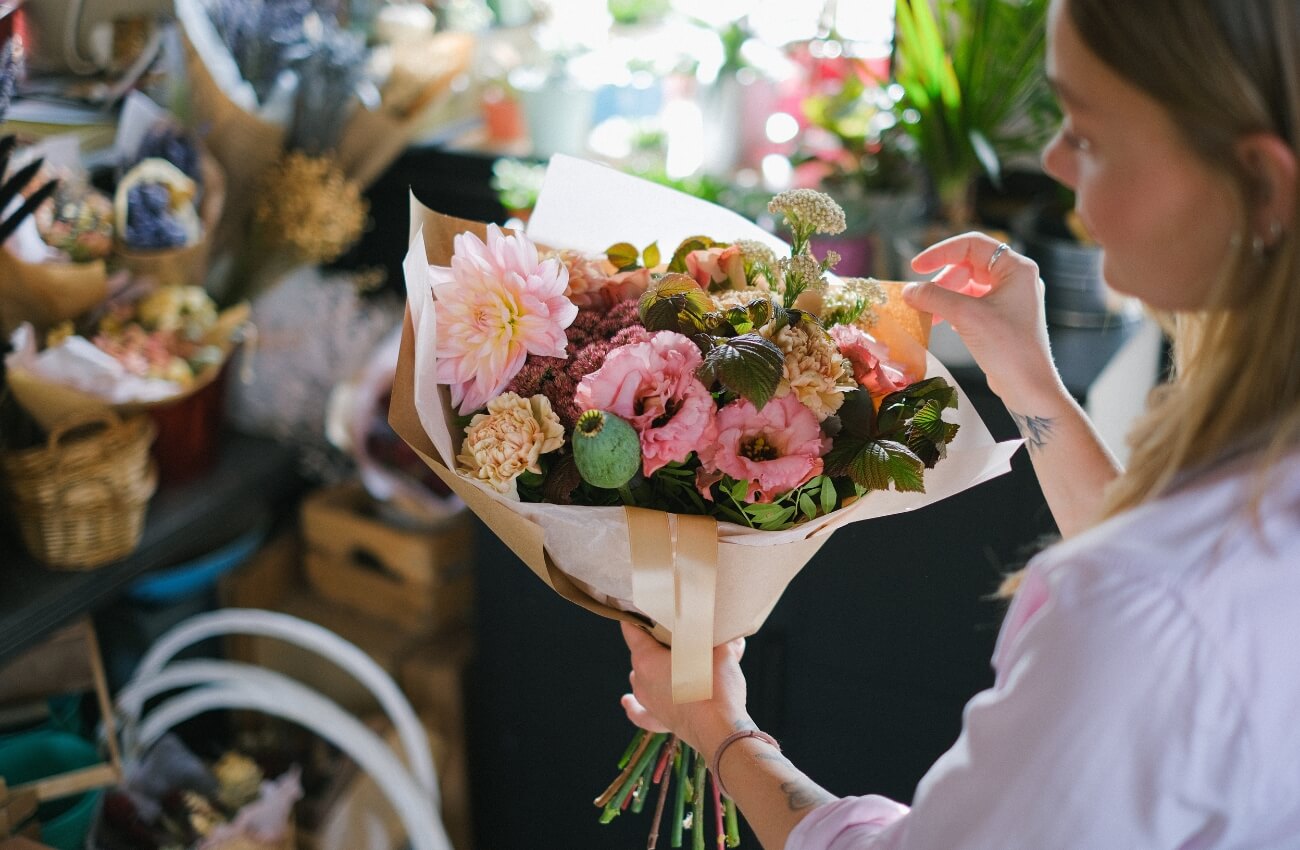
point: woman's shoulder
(1238, 525)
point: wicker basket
(80, 499)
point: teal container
(44, 753)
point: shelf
(252, 475)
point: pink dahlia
(496, 305)
(775, 449)
(867, 357)
(652, 384)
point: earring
(1274, 232)
(1257, 247)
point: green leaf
(689, 244)
(739, 490)
(806, 506)
(828, 497)
(739, 321)
(928, 420)
(623, 255)
(779, 521)
(873, 464)
(651, 255)
(674, 285)
(857, 414)
(748, 365)
(661, 315)
(987, 156)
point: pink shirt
(1147, 694)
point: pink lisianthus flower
(867, 356)
(652, 385)
(711, 266)
(496, 304)
(775, 449)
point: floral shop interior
(424, 325)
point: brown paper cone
(371, 141)
(186, 266)
(49, 404)
(244, 146)
(47, 293)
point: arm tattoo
(803, 794)
(800, 792)
(1036, 430)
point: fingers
(936, 299)
(970, 249)
(637, 638)
(639, 716)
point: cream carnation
(814, 371)
(509, 439)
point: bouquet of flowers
(634, 423)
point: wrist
(712, 729)
(1046, 396)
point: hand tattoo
(1036, 430)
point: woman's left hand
(700, 724)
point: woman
(1147, 691)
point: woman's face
(1163, 217)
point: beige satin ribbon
(674, 581)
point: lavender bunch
(175, 144)
(329, 72)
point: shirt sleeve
(1110, 724)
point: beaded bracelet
(716, 766)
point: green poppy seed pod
(606, 449)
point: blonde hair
(1224, 69)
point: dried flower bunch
(307, 205)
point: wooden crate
(66, 662)
(420, 580)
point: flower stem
(733, 825)
(680, 765)
(664, 778)
(697, 807)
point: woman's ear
(1272, 166)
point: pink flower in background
(652, 385)
(775, 449)
(496, 305)
(867, 356)
(717, 265)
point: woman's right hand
(998, 312)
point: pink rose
(775, 449)
(717, 265)
(868, 359)
(652, 385)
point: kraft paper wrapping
(45, 294)
(51, 404)
(244, 145)
(372, 140)
(586, 553)
(188, 265)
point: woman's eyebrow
(1066, 94)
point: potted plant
(974, 91)
(856, 151)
